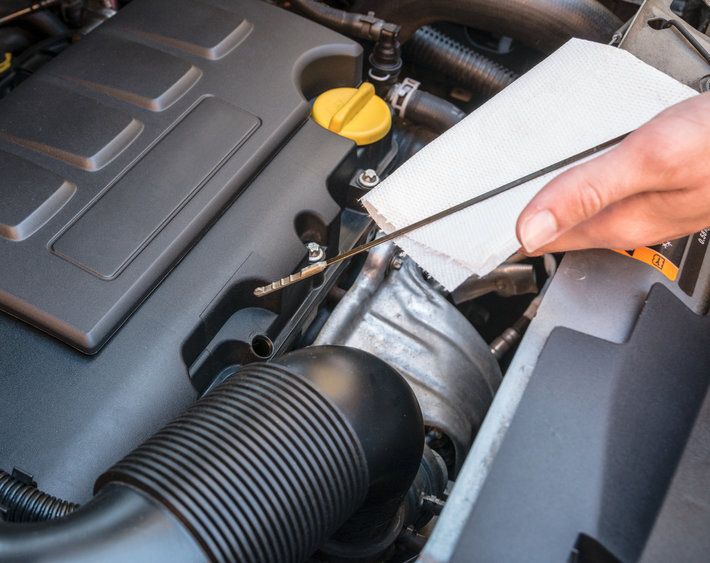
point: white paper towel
(582, 95)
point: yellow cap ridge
(6, 62)
(356, 113)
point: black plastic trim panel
(118, 154)
(595, 442)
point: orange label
(653, 258)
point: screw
(368, 179)
(705, 83)
(315, 252)
(397, 262)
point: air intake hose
(265, 467)
(435, 50)
(543, 24)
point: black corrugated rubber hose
(465, 67)
(265, 467)
(542, 24)
(21, 502)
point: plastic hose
(543, 24)
(433, 49)
(352, 24)
(265, 467)
(21, 502)
(433, 112)
(47, 23)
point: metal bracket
(673, 48)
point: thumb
(578, 194)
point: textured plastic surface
(65, 416)
(263, 468)
(269, 464)
(135, 140)
(104, 530)
(579, 97)
(122, 222)
(65, 126)
(595, 441)
(597, 292)
(259, 470)
(355, 113)
(23, 502)
(680, 532)
(31, 195)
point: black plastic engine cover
(118, 153)
(66, 416)
(586, 470)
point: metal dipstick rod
(318, 267)
(33, 7)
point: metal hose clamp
(400, 95)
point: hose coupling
(401, 94)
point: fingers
(580, 193)
(640, 220)
(651, 187)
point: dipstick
(319, 267)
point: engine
(159, 161)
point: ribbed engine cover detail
(124, 148)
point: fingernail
(538, 230)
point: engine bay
(160, 160)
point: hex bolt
(368, 178)
(315, 252)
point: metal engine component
(160, 161)
(368, 179)
(595, 292)
(400, 95)
(506, 280)
(667, 49)
(399, 317)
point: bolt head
(368, 178)
(315, 252)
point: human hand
(652, 187)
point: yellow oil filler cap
(355, 113)
(5, 62)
